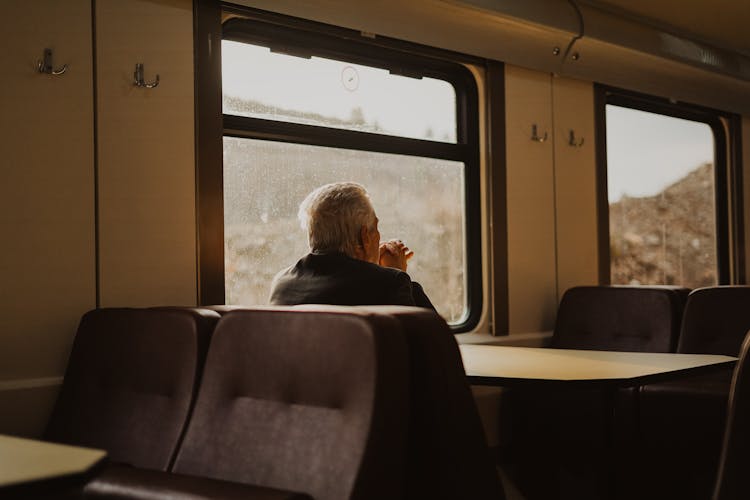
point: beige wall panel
(47, 264)
(575, 184)
(532, 297)
(146, 154)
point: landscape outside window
(419, 200)
(662, 208)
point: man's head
(339, 218)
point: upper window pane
(259, 83)
(662, 206)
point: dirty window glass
(419, 200)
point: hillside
(668, 238)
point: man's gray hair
(333, 216)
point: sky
(647, 152)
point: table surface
(27, 460)
(508, 366)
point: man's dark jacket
(335, 278)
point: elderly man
(347, 264)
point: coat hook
(572, 140)
(535, 136)
(45, 65)
(138, 78)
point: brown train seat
(447, 456)
(130, 382)
(620, 318)
(447, 453)
(682, 422)
(311, 400)
(561, 435)
(731, 482)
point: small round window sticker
(350, 78)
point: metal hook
(138, 78)
(572, 140)
(45, 65)
(535, 136)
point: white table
(26, 462)
(543, 369)
(539, 366)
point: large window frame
(727, 176)
(305, 38)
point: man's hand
(395, 254)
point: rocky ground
(669, 238)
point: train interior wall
(98, 191)
(98, 202)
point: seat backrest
(731, 483)
(310, 399)
(131, 381)
(222, 309)
(716, 320)
(620, 318)
(448, 457)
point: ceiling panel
(723, 23)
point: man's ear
(359, 251)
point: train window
(302, 110)
(666, 192)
